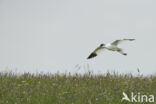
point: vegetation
(72, 89)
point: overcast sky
(58, 35)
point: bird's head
(101, 45)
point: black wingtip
(125, 54)
(130, 39)
(92, 55)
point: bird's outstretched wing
(95, 52)
(116, 42)
(92, 55)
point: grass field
(72, 89)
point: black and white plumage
(110, 46)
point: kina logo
(137, 97)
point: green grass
(72, 89)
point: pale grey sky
(57, 35)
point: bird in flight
(110, 46)
(125, 97)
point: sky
(58, 35)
